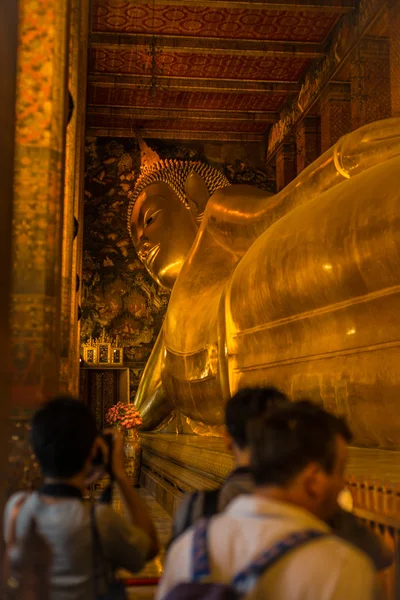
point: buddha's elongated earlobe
(197, 194)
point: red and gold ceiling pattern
(210, 57)
(99, 95)
(122, 122)
(193, 64)
(239, 23)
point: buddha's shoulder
(239, 191)
(236, 201)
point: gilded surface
(298, 290)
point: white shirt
(66, 526)
(324, 569)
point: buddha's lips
(152, 255)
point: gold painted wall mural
(298, 289)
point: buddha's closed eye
(150, 218)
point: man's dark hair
(285, 442)
(248, 404)
(62, 436)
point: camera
(100, 459)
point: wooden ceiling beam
(337, 6)
(172, 135)
(182, 113)
(187, 84)
(210, 45)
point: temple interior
(200, 196)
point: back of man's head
(249, 404)
(292, 437)
(63, 433)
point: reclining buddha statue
(299, 289)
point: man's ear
(313, 480)
(228, 442)
(197, 194)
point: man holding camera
(85, 545)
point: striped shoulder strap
(244, 581)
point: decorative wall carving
(344, 38)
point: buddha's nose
(143, 249)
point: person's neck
(77, 481)
(287, 496)
(242, 458)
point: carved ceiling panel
(198, 65)
(109, 95)
(240, 23)
(209, 68)
(105, 121)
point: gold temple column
(8, 61)
(370, 82)
(285, 165)
(335, 113)
(38, 199)
(308, 142)
(71, 255)
(394, 39)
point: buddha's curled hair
(175, 173)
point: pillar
(8, 61)
(285, 165)
(41, 110)
(38, 198)
(370, 82)
(394, 41)
(308, 142)
(73, 200)
(335, 113)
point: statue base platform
(175, 463)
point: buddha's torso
(310, 306)
(300, 290)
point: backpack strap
(200, 560)
(189, 513)
(12, 537)
(210, 503)
(246, 579)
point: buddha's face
(163, 231)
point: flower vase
(133, 454)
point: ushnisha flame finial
(148, 157)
